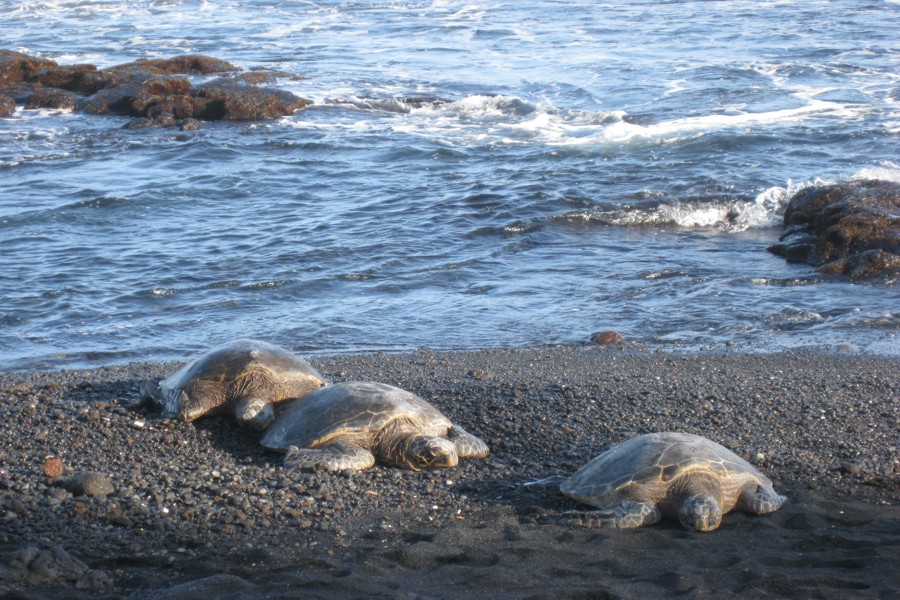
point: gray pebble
(89, 483)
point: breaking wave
(507, 119)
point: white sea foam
(886, 171)
(674, 86)
(507, 119)
(691, 126)
(725, 214)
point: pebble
(851, 468)
(89, 483)
(53, 466)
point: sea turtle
(656, 475)
(244, 376)
(351, 425)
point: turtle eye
(431, 453)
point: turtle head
(254, 413)
(700, 512)
(426, 452)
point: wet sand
(201, 509)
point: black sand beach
(201, 510)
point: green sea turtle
(352, 425)
(244, 377)
(676, 475)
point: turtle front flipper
(334, 457)
(254, 413)
(627, 515)
(761, 501)
(467, 445)
(169, 400)
(150, 390)
(547, 484)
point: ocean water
(583, 166)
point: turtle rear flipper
(334, 457)
(467, 445)
(761, 501)
(627, 515)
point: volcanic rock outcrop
(844, 229)
(156, 92)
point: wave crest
(509, 119)
(725, 214)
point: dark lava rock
(164, 120)
(135, 93)
(235, 101)
(16, 68)
(7, 107)
(607, 338)
(184, 64)
(845, 229)
(51, 97)
(89, 483)
(82, 78)
(34, 566)
(155, 91)
(189, 124)
(147, 88)
(864, 265)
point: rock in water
(7, 107)
(607, 338)
(845, 229)
(157, 89)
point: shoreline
(204, 507)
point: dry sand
(201, 510)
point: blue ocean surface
(469, 175)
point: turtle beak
(700, 513)
(445, 460)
